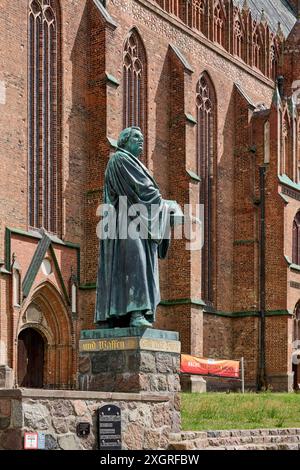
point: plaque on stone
(83, 429)
(109, 417)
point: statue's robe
(128, 277)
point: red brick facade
(253, 163)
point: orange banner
(201, 366)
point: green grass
(209, 411)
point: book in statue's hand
(177, 216)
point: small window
(74, 298)
(296, 333)
(16, 284)
(46, 267)
(73, 287)
(296, 240)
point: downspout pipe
(262, 382)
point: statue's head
(132, 140)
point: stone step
(187, 435)
(285, 446)
(231, 439)
(251, 432)
(188, 445)
(216, 442)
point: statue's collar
(128, 153)
(138, 161)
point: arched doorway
(47, 313)
(296, 348)
(295, 370)
(31, 349)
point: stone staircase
(248, 439)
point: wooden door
(30, 359)
(296, 376)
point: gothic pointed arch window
(206, 150)
(257, 48)
(171, 6)
(219, 23)
(286, 153)
(198, 14)
(273, 61)
(44, 92)
(238, 37)
(296, 239)
(135, 83)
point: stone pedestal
(193, 384)
(129, 360)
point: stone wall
(147, 419)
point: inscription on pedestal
(132, 343)
(160, 345)
(88, 345)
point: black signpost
(109, 419)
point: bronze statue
(128, 281)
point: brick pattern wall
(217, 337)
